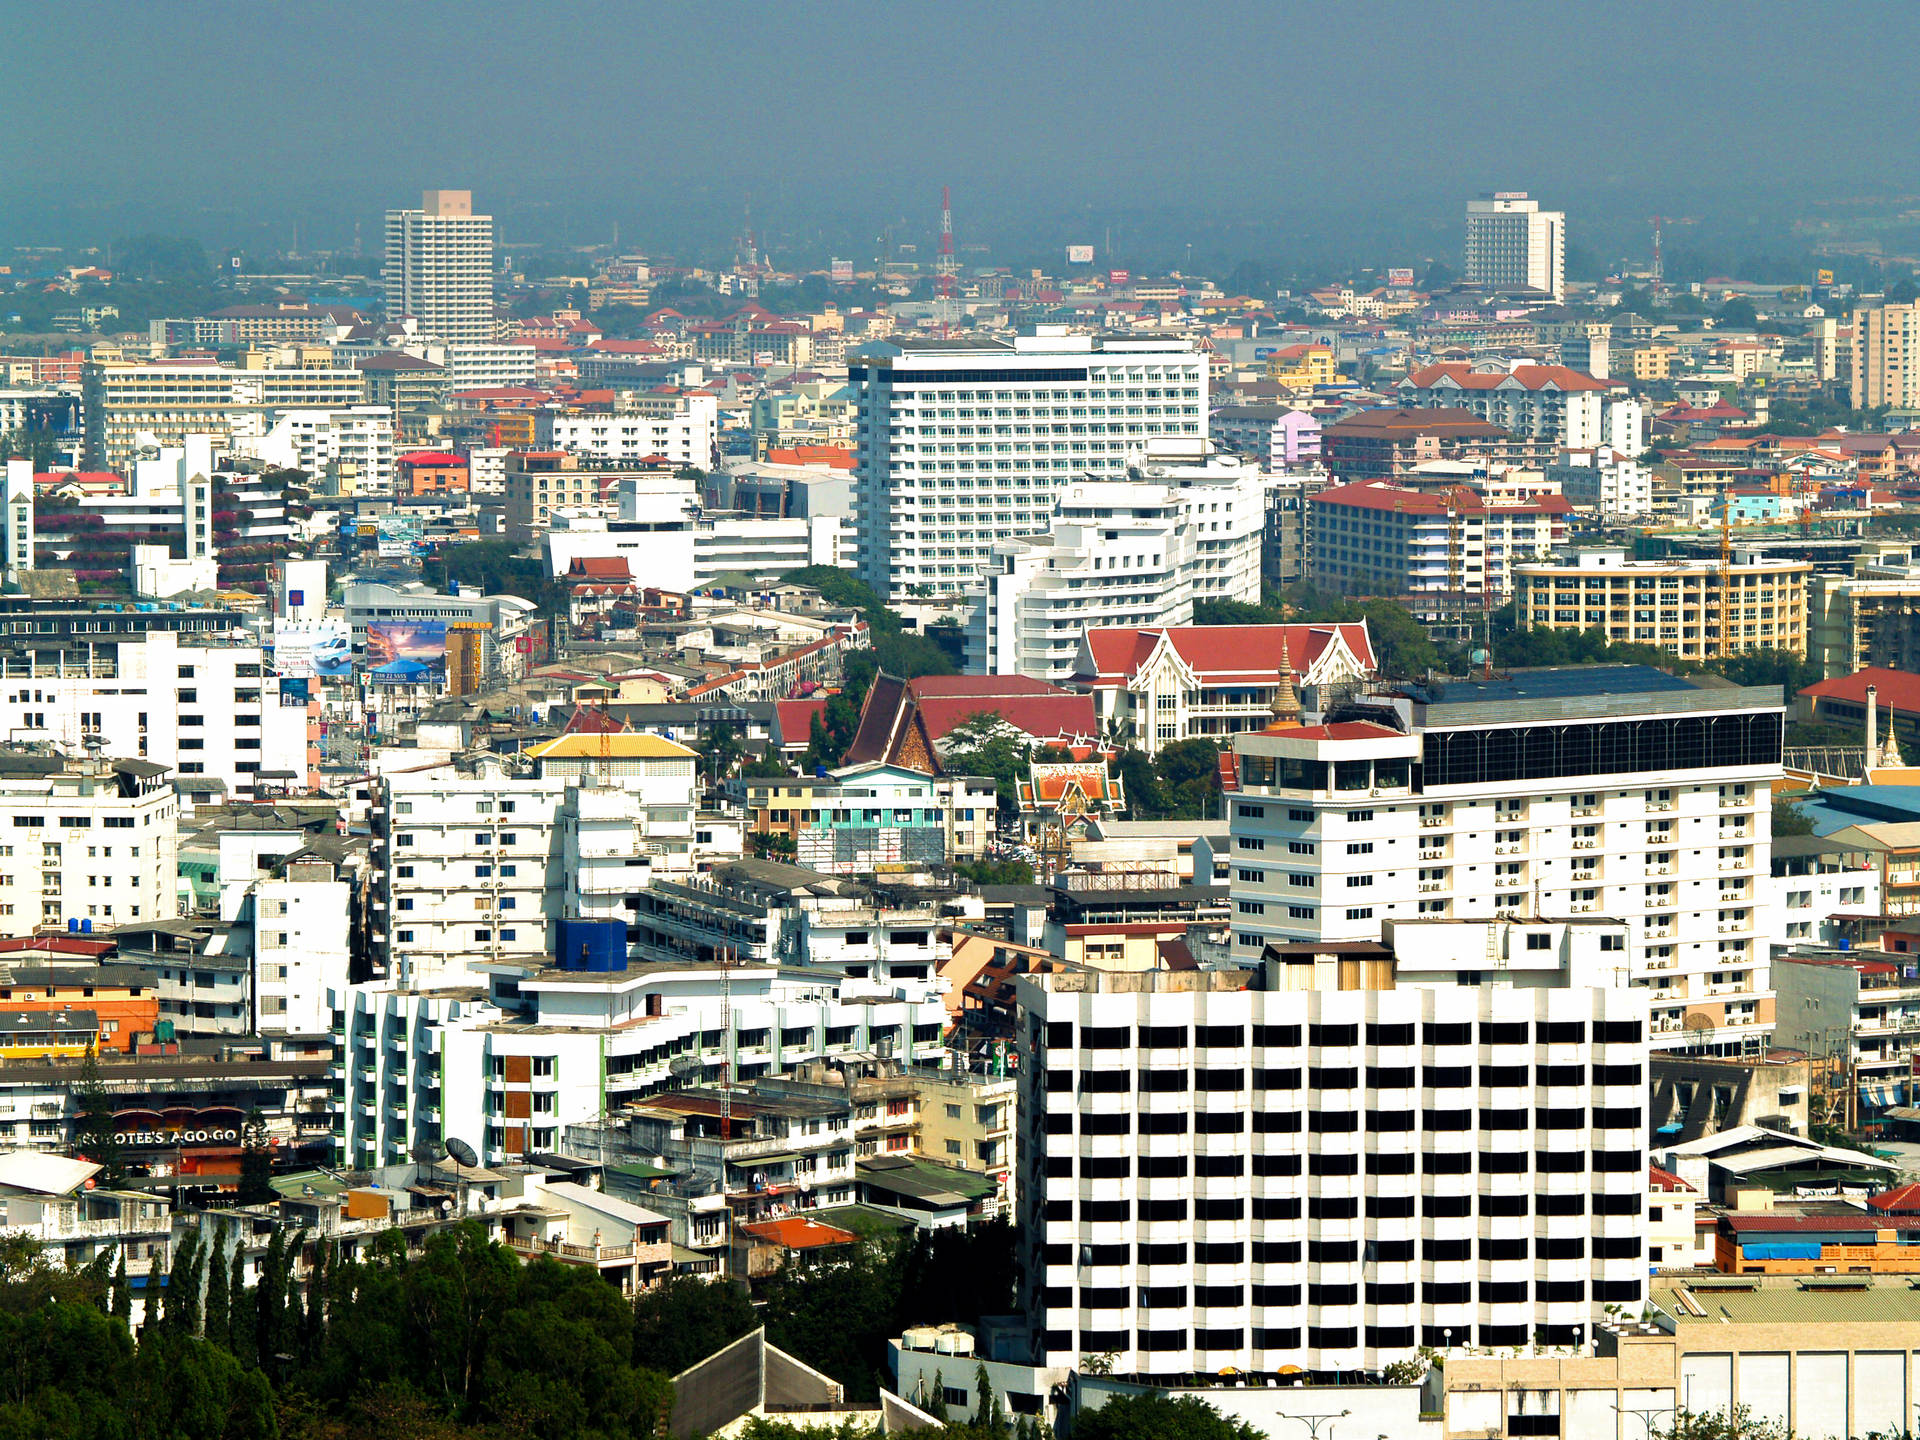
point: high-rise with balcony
(439, 266)
(1516, 248)
(1886, 356)
(1613, 790)
(1328, 1159)
(962, 443)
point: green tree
(240, 1305)
(219, 1278)
(256, 1163)
(838, 1318)
(683, 1320)
(1232, 612)
(122, 1291)
(1155, 1416)
(1735, 1423)
(1788, 819)
(995, 872)
(183, 1286)
(910, 656)
(987, 1415)
(96, 1136)
(719, 752)
(984, 744)
(1190, 775)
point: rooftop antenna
(945, 266)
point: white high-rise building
(1600, 790)
(1184, 525)
(1330, 1167)
(439, 267)
(1514, 246)
(962, 443)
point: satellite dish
(429, 1152)
(462, 1152)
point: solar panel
(1558, 684)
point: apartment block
(1377, 539)
(1516, 248)
(85, 841)
(684, 432)
(1322, 1170)
(1693, 609)
(167, 401)
(1184, 526)
(1600, 790)
(439, 267)
(1541, 402)
(1886, 356)
(963, 443)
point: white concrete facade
(1324, 1178)
(1339, 829)
(961, 444)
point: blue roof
(1835, 809)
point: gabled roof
(1378, 495)
(623, 746)
(1521, 377)
(1897, 689)
(1221, 654)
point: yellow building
(1689, 608)
(1645, 362)
(1301, 367)
(1886, 347)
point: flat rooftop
(1556, 683)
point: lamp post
(1646, 1415)
(1313, 1422)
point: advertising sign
(407, 652)
(1823, 277)
(294, 693)
(1079, 254)
(153, 1129)
(307, 648)
(843, 272)
(1400, 277)
(1119, 277)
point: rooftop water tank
(599, 945)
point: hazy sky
(1232, 125)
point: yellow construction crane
(1726, 582)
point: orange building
(123, 999)
(430, 472)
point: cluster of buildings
(1477, 1064)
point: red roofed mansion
(1158, 686)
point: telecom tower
(945, 269)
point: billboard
(842, 272)
(1119, 277)
(1400, 277)
(407, 652)
(1823, 277)
(295, 693)
(306, 648)
(1079, 254)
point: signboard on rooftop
(1079, 254)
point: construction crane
(1726, 579)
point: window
(1364, 913)
(1539, 942)
(1359, 847)
(1359, 881)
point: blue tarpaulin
(1781, 1250)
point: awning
(1781, 1250)
(1903, 1112)
(1885, 1092)
(1672, 1127)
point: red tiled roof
(1903, 1200)
(798, 1233)
(795, 719)
(1898, 689)
(1340, 730)
(1375, 495)
(1529, 377)
(1666, 1180)
(1221, 654)
(1044, 717)
(430, 457)
(602, 568)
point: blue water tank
(592, 945)
(73, 926)
(86, 927)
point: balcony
(628, 1254)
(1433, 852)
(1662, 902)
(1735, 802)
(1580, 812)
(1435, 823)
(1657, 806)
(1586, 844)
(1427, 887)
(1741, 864)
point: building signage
(168, 1139)
(1400, 278)
(1079, 254)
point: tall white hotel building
(1413, 1112)
(961, 443)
